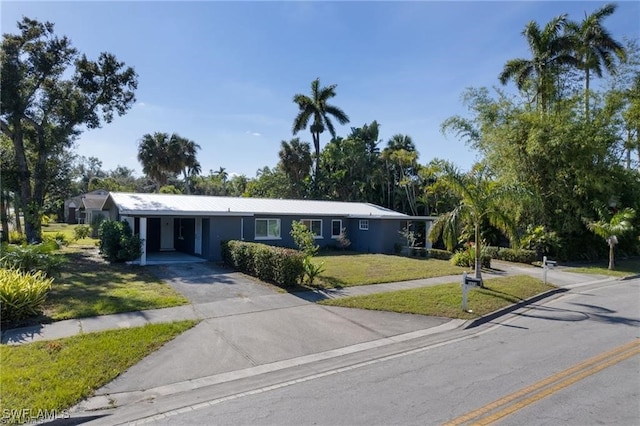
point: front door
(166, 234)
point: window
(364, 224)
(267, 228)
(315, 225)
(336, 228)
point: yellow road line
(618, 352)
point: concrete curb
(508, 309)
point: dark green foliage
(517, 255)
(32, 258)
(440, 254)
(95, 225)
(281, 266)
(117, 242)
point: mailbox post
(467, 284)
(546, 265)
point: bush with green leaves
(311, 270)
(16, 237)
(467, 258)
(544, 242)
(439, 254)
(32, 258)
(82, 231)
(279, 265)
(22, 294)
(304, 238)
(59, 240)
(117, 242)
(95, 225)
(517, 255)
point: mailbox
(473, 282)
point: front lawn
(53, 376)
(623, 268)
(89, 286)
(446, 300)
(350, 269)
(52, 229)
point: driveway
(207, 282)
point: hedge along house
(196, 224)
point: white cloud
(253, 133)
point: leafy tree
(401, 159)
(550, 50)
(268, 183)
(186, 155)
(611, 228)
(315, 108)
(482, 200)
(49, 93)
(594, 47)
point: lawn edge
(508, 309)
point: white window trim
(363, 224)
(255, 230)
(318, 236)
(336, 220)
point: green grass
(623, 268)
(345, 270)
(89, 286)
(446, 300)
(57, 374)
(54, 228)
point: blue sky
(224, 73)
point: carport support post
(143, 237)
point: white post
(464, 291)
(544, 269)
(143, 237)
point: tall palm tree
(315, 108)
(611, 229)
(482, 200)
(594, 47)
(550, 50)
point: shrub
(82, 231)
(492, 251)
(517, 255)
(22, 294)
(342, 240)
(117, 242)
(439, 254)
(95, 225)
(281, 266)
(304, 238)
(311, 270)
(541, 241)
(58, 240)
(31, 258)
(16, 237)
(466, 258)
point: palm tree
(185, 153)
(154, 155)
(610, 229)
(594, 47)
(316, 108)
(295, 161)
(550, 49)
(222, 175)
(482, 201)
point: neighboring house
(85, 208)
(197, 224)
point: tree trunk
(316, 172)
(4, 216)
(477, 260)
(16, 212)
(24, 178)
(586, 95)
(186, 182)
(611, 256)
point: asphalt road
(571, 361)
